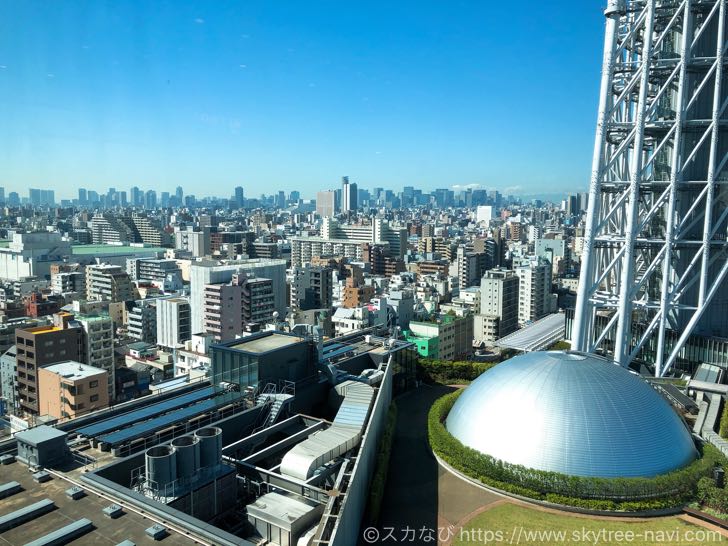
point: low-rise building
(69, 389)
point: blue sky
(293, 95)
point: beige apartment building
(69, 389)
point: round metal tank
(210, 446)
(161, 465)
(188, 456)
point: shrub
(449, 372)
(628, 494)
(724, 422)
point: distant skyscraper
(136, 196)
(239, 197)
(122, 198)
(13, 199)
(295, 196)
(47, 197)
(326, 203)
(281, 199)
(150, 199)
(82, 196)
(349, 195)
(93, 197)
(34, 197)
(165, 199)
(180, 195)
(2, 195)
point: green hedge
(381, 469)
(625, 494)
(448, 372)
(710, 496)
(724, 422)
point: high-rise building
(106, 282)
(230, 307)
(82, 196)
(135, 195)
(150, 199)
(311, 288)
(206, 272)
(326, 203)
(470, 266)
(193, 240)
(498, 305)
(142, 321)
(98, 342)
(535, 299)
(349, 195)
(173, 322)
(655, 259)
(34, 197)
(179, 195)
(239, 197)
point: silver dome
(573, 413)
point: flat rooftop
(70, 369)
(83, 250)
(42, 329)
(107, 531)
(266, 343)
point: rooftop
(84, 250)
(264, 344)
(130, 526)
(40, 434)
(73, 370)
(42, 329)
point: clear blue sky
(293, 95)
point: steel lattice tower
(655, 254)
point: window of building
(94, 398)
(93, 384)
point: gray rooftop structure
(537, 336)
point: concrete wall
(346, 531)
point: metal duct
(210, 439)
(161, 466)
(188, 456)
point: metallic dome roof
(572, 413)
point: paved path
(420, 493)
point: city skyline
(262, 97)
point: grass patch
(513, 524)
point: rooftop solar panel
(142, 429)
(145, 413)
(332, 347)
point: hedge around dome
(669, 490)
